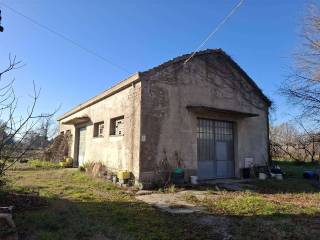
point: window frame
(113, 127)
(97, 128)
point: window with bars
(210, 134)
(117, 126)
(98, 129)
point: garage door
(215, 149)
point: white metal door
(82, 146)
(224, 149)
(215, 149)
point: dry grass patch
(298, 199)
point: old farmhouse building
(206, 113)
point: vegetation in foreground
(271, 209)
(72, 205)
(35, 164)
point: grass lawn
(76, 206)
(72, 205)
(272, 209)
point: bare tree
(309, 141)
(15, 126)
(283, 140)
(295, 141)
(302, 88)
(40, 137)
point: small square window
(98, 129)
(117, 126)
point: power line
(234, 9)
(1, 28)
(66, 38)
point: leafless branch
(15, 127)
(302, 88)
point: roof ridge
(185, 57)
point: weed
(171, 188)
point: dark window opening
(117, 126)
(98, 129)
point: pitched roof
(136, 78)
(184, 57)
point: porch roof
(207, 109)
(77, 120)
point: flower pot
(262, 176)
(114, 179)
(194, 180)
(177, 177)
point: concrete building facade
(207, 116)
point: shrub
(67, 162)
(37, 163)
(171, 188)
(88, 166)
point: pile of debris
(59, 149)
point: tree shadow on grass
(269, 186)
(276, 227)
(289, 185)
(56, 218)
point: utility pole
(1, 28)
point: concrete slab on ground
(173, 202)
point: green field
(55, 203)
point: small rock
(129, 192)
(234, 186)
(144, 192)
(119, 184)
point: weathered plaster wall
(116, 152)
(208, 80)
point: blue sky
(262, 37)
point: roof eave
(134, 78)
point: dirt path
(176, 203)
